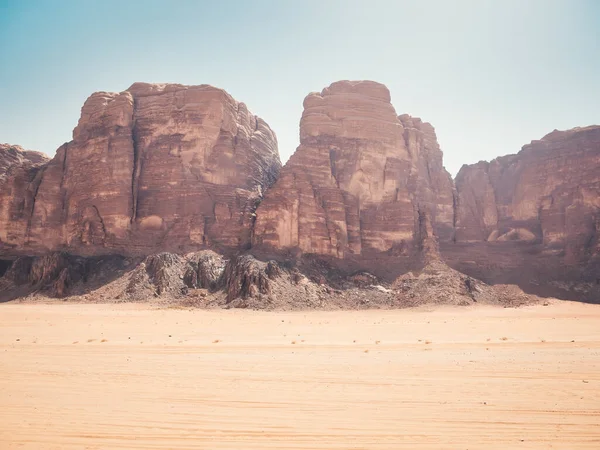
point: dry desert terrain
(131, 376)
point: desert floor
(75, 376)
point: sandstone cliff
(364, 210)
(537, 213)
(12, 156)
(359, 181)
(549, 192)
(18, 170)
(158, 166)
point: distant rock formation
(168, 189)
(158, 166)
(18, 171)
(542, 205)
(14, 156)
(359, 180)
(548, 192)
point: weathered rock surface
(358, 180)
(542, 205)
(12, 156)
(206, 279)
(549, 192)
(58, 274)
(154, 167)
(18, 170)
(160, 173)
(439, 284)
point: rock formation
(154, 167)
(13, 156)
(439, 284)
(18, 170)
(359, 180)
(173, 191)
(542, 206)
(549, 192)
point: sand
(75, 376)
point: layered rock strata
(359, 180)
(154, 167)
(548, 193)
(18, 171)
(534, 218)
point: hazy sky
(489, 75)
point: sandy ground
(134, 376)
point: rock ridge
(169, 169)
(158, 166)
(354, 184)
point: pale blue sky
(490, 75)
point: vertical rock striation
(358, 180)
(534, 218)
(548, 193)
(156, 167)
(174, 168)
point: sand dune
(76, 376)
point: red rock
(14, 155)
(173, 168)
(156, 167)
(548, 193)
(533, 218)
(18, 171)
(358, 179)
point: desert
(125, 376)
(339, 224)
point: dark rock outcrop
(206, 270)
(58, 274)
(437, 283)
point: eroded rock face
(437, 283)
(167, 170)
(18, 171)
(534, 217)
(12, 156)
(54, 274)
(548, 193)
(156, 167)
(357, 181)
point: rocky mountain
(549, 192)
(18, 169)
(14, 156)
(535, 214)
(178, 191)
(359, 181)
(156, 167)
